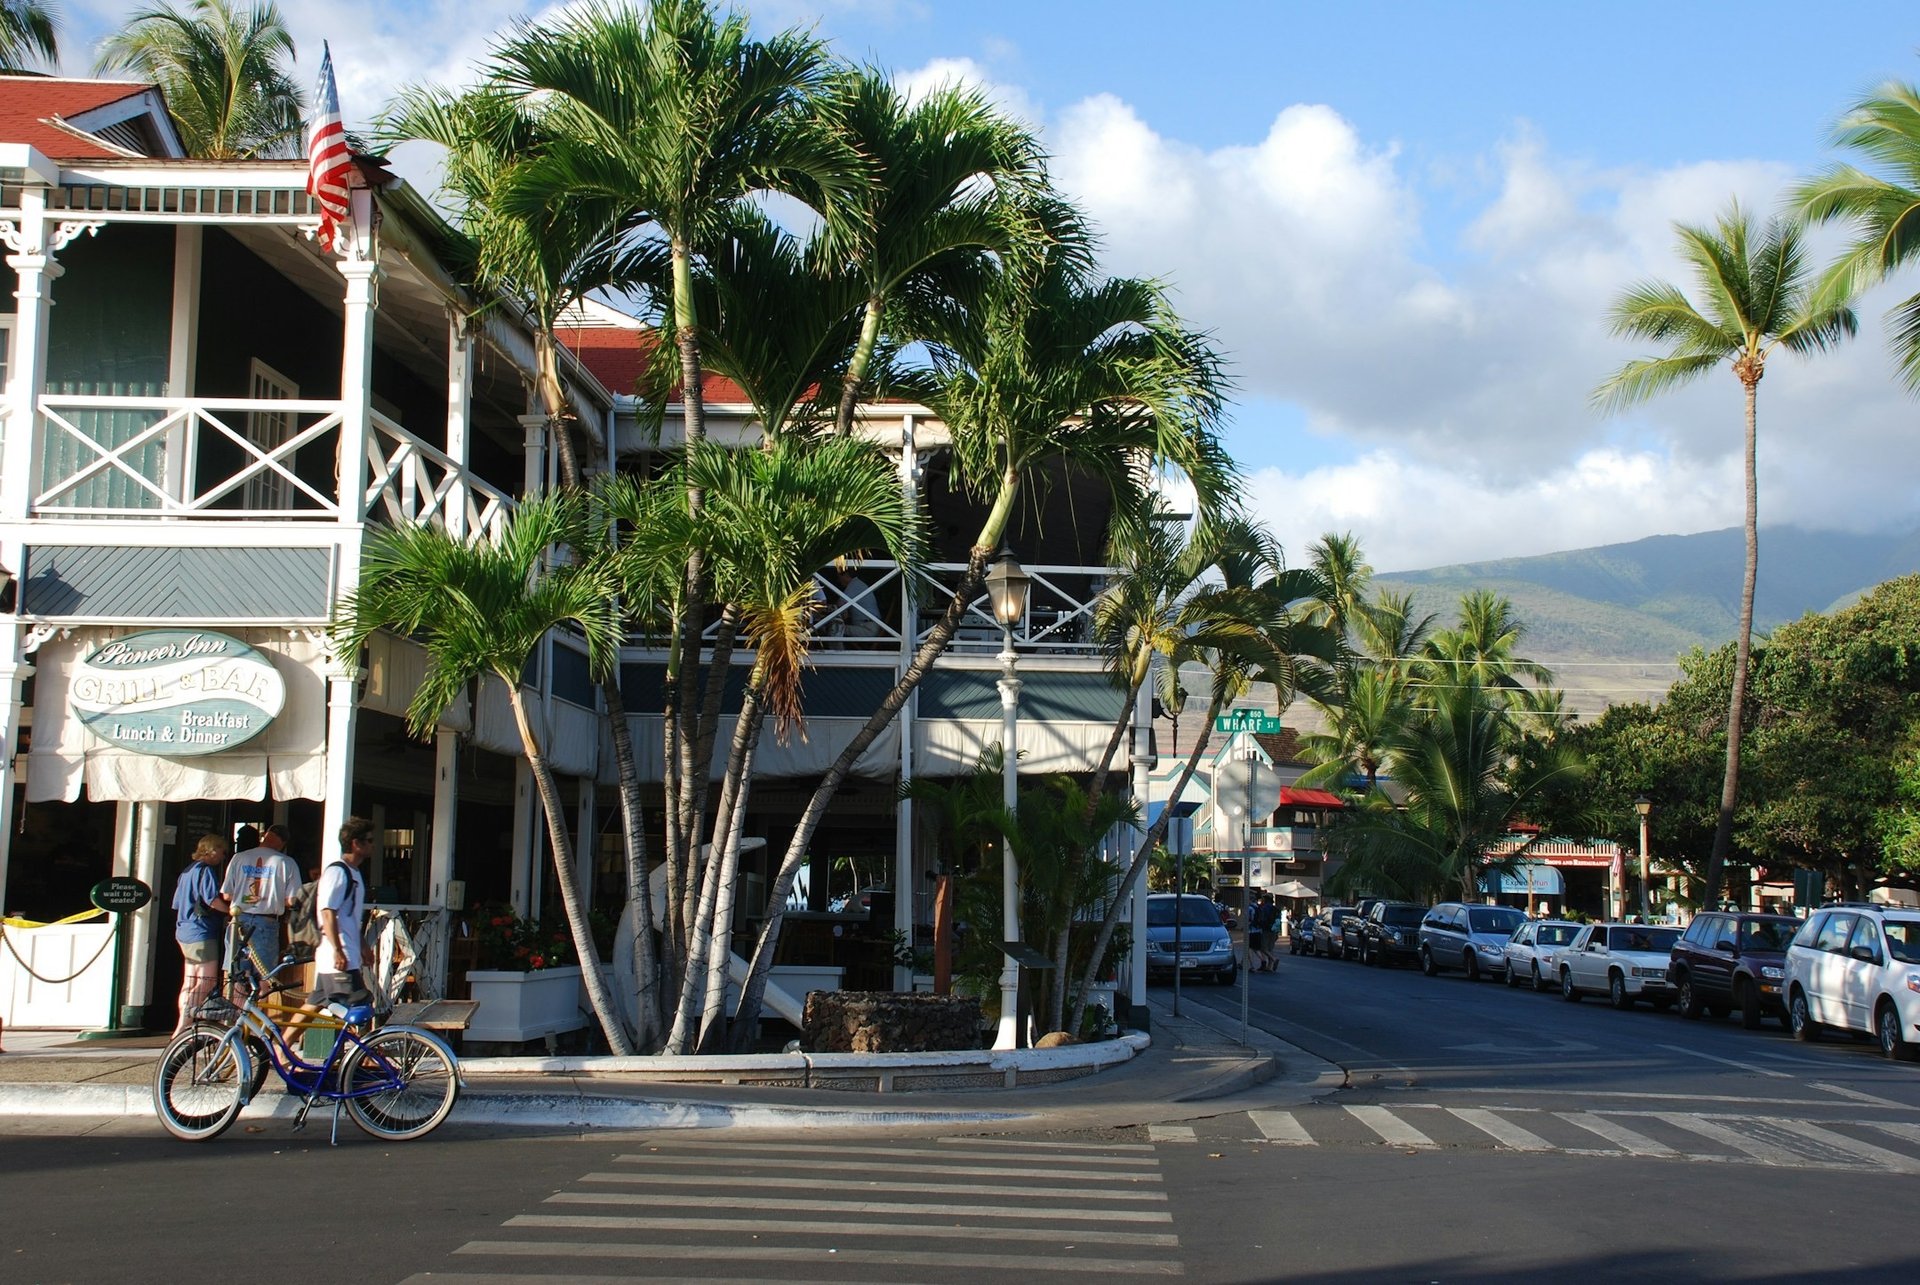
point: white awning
(1295, 888)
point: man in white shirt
(261, 880)
(338, 905)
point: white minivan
(1857, 968)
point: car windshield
(1402, 916)
(1650, 939)
(1341, 915)
(1903, 940)
(1761, 935)
(1494, 919)
(1195, 912)
(1556, 934)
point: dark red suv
(1730, 961)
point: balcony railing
(263, 460)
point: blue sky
(1404, 223)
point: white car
(1624, 962)
(1533, 950)
(1857, 968)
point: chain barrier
(70, 919)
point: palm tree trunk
(746, 739)
(857, 365)
(611, 1025)
(553, 400)
(1155, 834)
(748, 1014)
(1742, 659)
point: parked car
(1857, 968)
(1470, 938)
(1390, 932)
(1300, 942)
(1205, 949)
(1534, 949)
(1624, 962)
(1330, 932)
(1726, 961)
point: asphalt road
(1488, 1136)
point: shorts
(201, 952)
(339, 988)
(1256, 940)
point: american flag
(328, 161)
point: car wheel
(1513, 976)
(1800, 1018)
(1690, 1006)
(1748, 996)
(1227, 978)
(1472, 966)
(1568, 991)
(1427, 965)
(1539, 982)
(1887, 1026)
(1617, 993)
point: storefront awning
(1537, 880)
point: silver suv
(1470, 938)
(1857, 968)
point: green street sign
(1248, 720)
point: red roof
(615, 356)
(32, 109)
(1294, 796)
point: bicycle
(396, 1083)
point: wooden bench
(437, 1014)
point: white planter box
(516, 1007)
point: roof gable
(86, 120)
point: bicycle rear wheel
(196, 1086)
(413, 1081)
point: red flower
(538, 961)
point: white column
(356, 385)
(27, 373)
(905, 886)
(1009, 1032)
(183, 347)
(534, 481)
(343, 703)
(136, 852)
(14, 672)
(446, 802)
(1143, 765)
(525, 809)
(459, 416)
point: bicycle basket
(217, 1008)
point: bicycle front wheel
(403, 1084)
(196, 1085)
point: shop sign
(120, 895)
(176, 692)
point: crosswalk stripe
(1048, 1146)
(1280, 1128)
(1852, 1146)
(876, 1167)
(1390, 1127)
(1634, 1144)
(1858, 1096)
(819, 1149)
(1170, 1132)
(814, 1183)
(862, 1207)
(1501, 1130)
(801, 1227)
(1765, 1152)
(792, 1254)
(575, 1278)
(1899, 1129)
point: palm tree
(1754, 299)
(27, 28)
(1465, 790)
(1052, 364)
(224, 73)
(480, 608)
(942, 169)
(1365, 722)
(1480, 647)
(1883, 211)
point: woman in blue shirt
(199, 911)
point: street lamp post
(1007, 591)
(1644, 806)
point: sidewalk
(1191, 1067)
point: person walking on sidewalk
(199, 922)
(338, 904)
(261, 880)
(1260, 933)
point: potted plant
(528, 983)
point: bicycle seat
(360, 1015)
